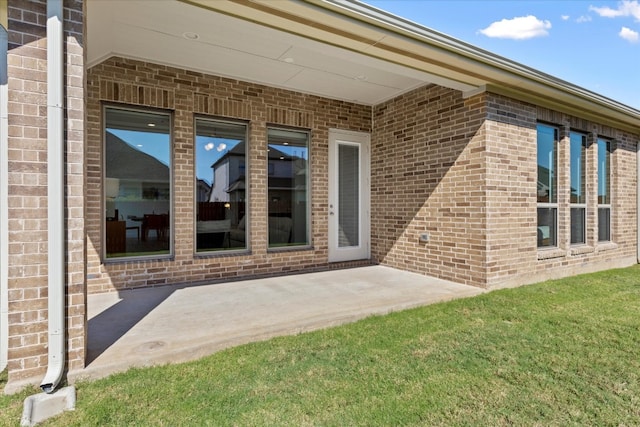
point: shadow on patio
(170, 324)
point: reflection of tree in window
(137, 183)
(221, 185)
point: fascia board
(503, 75)
(4, 14)
(577, 106)
(364, 29)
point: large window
(547, 186)
(288, 182)
(221, 185)
(604, 190)
(137, 183)
(578, 148)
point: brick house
(358, 138)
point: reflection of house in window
(288, 197)
(139, 202)
(287, 178)
(221, 208)
(141, 176)
(544, 190)
(203, 190)
(229, 176)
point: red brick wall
(28, 250)
(187, 93)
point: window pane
(578, 148)
(288, 172)
(604, 165)
(221, 211)
(137, 183)
(604, 224)
(547, 138)
(577, 225)
(349, 195)
(547, 227)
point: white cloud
(625, 8)
(629, 35)
(221, 146)
(565, 17)
(519, 28)
(583, 18)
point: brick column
(28, 280)
(563, 174)
(592, 189)
(75, 183)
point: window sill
(581, 250)
(551, 253)
(292, 248)
(137, 258)
(222, 253)
(606, 246)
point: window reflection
(221, 216)
(137, 183)
(547, 137)
(288, 172)
(547, 185)
(578, 147)
(604, 190)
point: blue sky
(592, 44)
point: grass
(564, 352)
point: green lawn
(565, 352)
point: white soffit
(244, 50)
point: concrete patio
(172, 324)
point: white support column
(4, 188)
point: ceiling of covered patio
(223, 38)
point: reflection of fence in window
(220, 156)
(221, 226)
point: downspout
(638, 200)
(55, 193)
(4, 183)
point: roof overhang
(339, 49)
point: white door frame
(363, 249)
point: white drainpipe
(55, 193)
(638, 200)
(4, 199)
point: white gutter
(638, 200)
(55, 193)
(4, 210)
(459, 48)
